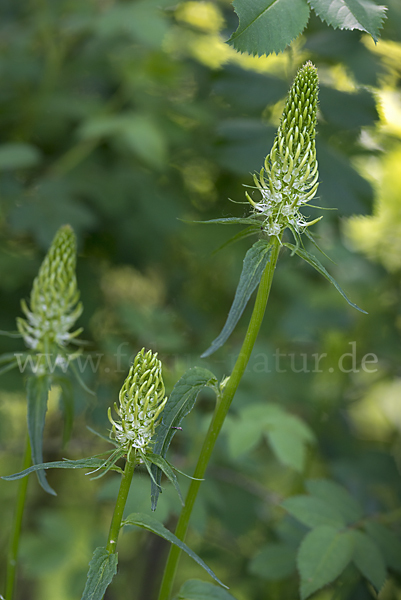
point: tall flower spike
(142, 399)
(54, 303)
(289, 178)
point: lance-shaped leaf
(93, 462)
(151, 524)
(364, 15)
(267, 26)
(37, 389)
(316, 264)
(255, 262)
(102, 569)
(178, 406)
(195, 589)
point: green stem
(12, 556)
(115, 524)
(221, 410)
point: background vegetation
(124, 120)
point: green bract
(289, 178)
(142, 398)
(54, 304)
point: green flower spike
(142, 399)
(54, 302)
(289, 179)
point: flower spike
(289, 178)
(141, 400)
(54, 304)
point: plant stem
(115, 524)
(222, 406)
(12, 556)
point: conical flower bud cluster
(289, 178)
(141, 400)
(54, 304)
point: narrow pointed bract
(141, 400)
(289, 179)
(54, 304)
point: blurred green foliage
(123, 119)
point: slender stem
(120, 504)
(222, 407)
(12, 556)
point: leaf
(323, 555)
(336, 496)
(255, 262)
(164, 466)
(37, 390)
(251, 230)
(195, 589)
(388, 542)
(313, 512)
(102, 569)
(67, 402)
(267, 26)
(92, 462)
(369, 559)
(228, 221)
(364, 15)
(274, 562)
(179, 404)
(316, 264)
(151, 524)
(18, 156)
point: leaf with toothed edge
(364, 15)
(267, 26)
(102, 569)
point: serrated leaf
(102, 569)
(179, 404)
(150, 524)
(323, 555)
(195, 589)
(267, 26)
(364, 15)
(275, 561)
(313, 512)
(316, 264)
(369, 559)
(337, 496)
(82, 463)
(37, 391)
(255, 262)
(388, 542)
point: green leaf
(267, 26)
(179, 404)
(92, 462)
(165, 467)
(274, 562)
(18, 156)
(323, 555)
(316, 264)
(151, 524)
(336, 496)
(241, 235)
(37, 390)
(67, 403)
(228, 221)
(102, 569)
(195, 589)
(255, 262)
(369, 559)
(313, 512)
(364, 15)
(388, 542)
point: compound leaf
(369, 559)
(323, 555)
(267, 26)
